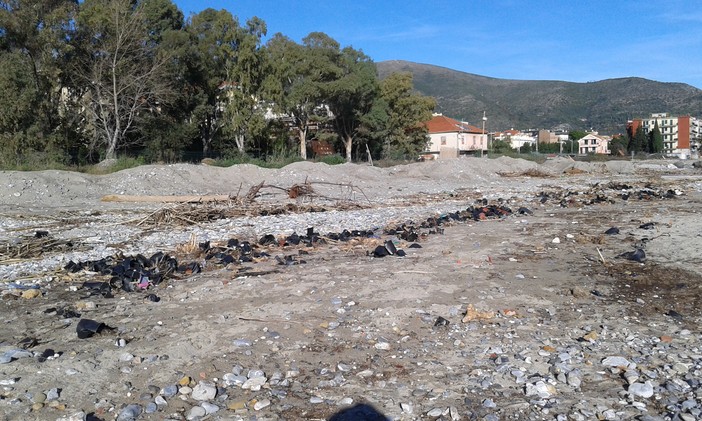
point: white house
(450, 138)
(516, 138)
(593, 143)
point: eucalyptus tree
(351, 95)
(34, 46)
(244, 110)
(407, 112)
(214, 36)
(296, 74)
(122, 70)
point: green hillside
(604, 106)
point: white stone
(615, 362)
(254, 383)
(644, 390)
(204, 391)
(259, 405)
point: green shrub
(333, 159)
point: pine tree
(655, 140)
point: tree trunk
(302, 138)
(239, 139)
(111, 152)
(348, 143)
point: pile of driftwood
(191, 210)
(30, 247)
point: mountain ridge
(604, 106)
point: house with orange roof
(449, 138)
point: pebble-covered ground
(535, 314)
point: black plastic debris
(102, 288)
(636, 256)
(190, 268)
(388, 249)
(41, 234)
(267, 240)
(441, 322)
(612, 231)
(596, 293)
(415, 246)
(380, 251)
(129, 273)
(648, 226)
(87, 328)
(524, 211)
(45, 355)
(153, 298)
(390, 246)
(674, 314)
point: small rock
(254, 383)
(209, 408)
(407, 408)
(130, 412)
(38, 398)
(262, 404)
(435, 412)
(541, 389)
(384, 346)
(591, 336)
(204, 391)
(195, 412)
(644, 390)
(345, 401)
(31, 293)
(615, 362)
(151, 407)
(52, 394)
(169, 391)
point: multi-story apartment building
(681, 135)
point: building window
(443, 140)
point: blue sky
(577, 41)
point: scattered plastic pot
(153, 298)
(86, 328)
(441, 322)
(636, 256)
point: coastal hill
(604, 105)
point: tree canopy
(84, 81)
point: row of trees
(86, 80)
(636, 141)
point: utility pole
(488, 138)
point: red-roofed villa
(449, 138)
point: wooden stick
(165, 199)
(601, 256)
